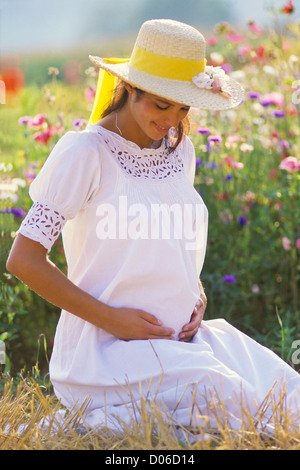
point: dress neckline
(129, 143)
(143, 164)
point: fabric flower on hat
(213, 79)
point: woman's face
(154, 116)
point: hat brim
(179, 91)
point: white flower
(203, 80)
(206, 79)
(214, 78)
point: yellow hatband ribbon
(145, 61)
(165, 67)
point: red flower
(288, 7)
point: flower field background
(247, 172)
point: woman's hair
(120, 99)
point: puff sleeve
(65, 185)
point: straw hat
(168, 60)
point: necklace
(120, 132)
(117, 125)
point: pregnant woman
(134, 231)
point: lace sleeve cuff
(43, 224)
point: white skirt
(222, 375)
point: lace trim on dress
(43, 223)
(156, 165)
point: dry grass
(28, 403)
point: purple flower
(214, 138)
(198, 162)
(278, 113)
(211, 165)
(23, 121)
(266, 102)
(229, 177)
(79, 123)
(226, 67)
(15, 211)
(253, 95)
(203, 130)
(242, 220)
(229, 279)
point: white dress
(134, 231)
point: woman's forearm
(28, 261)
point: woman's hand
(188, 331)
(129, 323)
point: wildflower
(254, 28)
(242, 220)
(79, 123)
(270, 70)
(223, 28)
(203, 130)
(216, 58)
(212, 40)
(291, 110)
(246, 147)
(253, 95)
(226, 216)
(229, 177)
(278, 113)
(286, 243)
(234, 164)
(273, 98)
(215, 138)
(244, 50)
(260, 52)
(290, 164)
(229, 279)
(298, 243)
(16, 211)
(44, 136)
(286, 45)
(89, 94)
(198, 162)
(37, 121)
(235, 38)
(284, 144)
(288, 8)
(23, 121)
(53, 71)
(211, 165)
(255, 288)
(208, 180)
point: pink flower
(212, 40)
(25, 120)
(274, 98)
(254, 28)
(89, 94)
(290, 164)
(37, 121)
(255, 288)
(286, 243)
(298, 243)
(235, 38)
(234, 164)
(216, 85)
(244, 50)
(44, 136)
